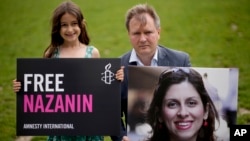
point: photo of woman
(178, 104)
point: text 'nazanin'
(64, 103)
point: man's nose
(143, 38)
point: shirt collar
(134, 58)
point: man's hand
(125, 138)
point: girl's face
(70, 29)
(183, 112)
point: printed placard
(221, 84)
(68, 96)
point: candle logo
(107, 75)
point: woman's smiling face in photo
(183, 111)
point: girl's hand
(120, 74)
(16, 85)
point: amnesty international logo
(107, 75)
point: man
(143, 26)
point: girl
(69, 39)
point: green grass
(214, 33)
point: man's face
(144, 37)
